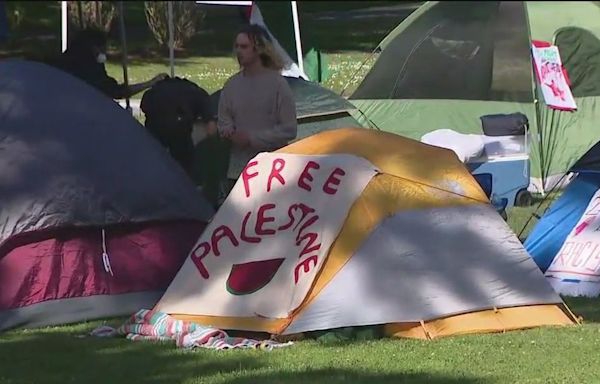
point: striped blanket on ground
(147, 325)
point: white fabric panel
(466, 147)
(575, 270)
(469, 147)
(575, 288)
(262, 251)
(291, 67)
(427, 264)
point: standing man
(257, 110)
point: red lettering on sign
(596, 263)
(220, 233)
(197, 255)
(563, 257)
(305, 175)
(593, 247)
(579, 248)
(291, 210)
(247, 176)
(333, 180)
(243, 234)
(306, 267)
(305, 211)
(261, 220)
(309, 247)
(308, 223)
(276, 169)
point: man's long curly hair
(263, 44)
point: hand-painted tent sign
(551, 77)
(261, 253)
(578, 260)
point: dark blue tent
(95, 217)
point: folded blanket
(147, 325)
(467, 147)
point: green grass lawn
(211, 73)
(58, 355)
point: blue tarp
(548, 236)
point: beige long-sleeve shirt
(262, 106)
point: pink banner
(551, 78)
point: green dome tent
(449, 63)
(319, 109)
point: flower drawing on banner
(552, 71)
(552, 77)
(556, 91)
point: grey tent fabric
(428, 264)
(70, 156)
(314, 100)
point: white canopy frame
(294, 69)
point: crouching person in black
(85, 59)
(172, 107)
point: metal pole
(545, 198)
(297, 36)
(171, 37)
(63, 24)
(124, 52)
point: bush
(187, 16)
(96, 14)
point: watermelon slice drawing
(248, 278)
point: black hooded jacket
(171, 107)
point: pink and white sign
(578, 260)
(551, 78)
(262, 251)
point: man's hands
(211, 128)
(239, 139)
